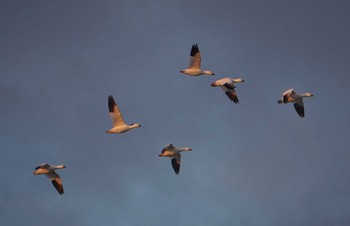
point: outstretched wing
(114, 112)
(230, 92)
(169, 147)
(175, 162)
(56, 181)
(195, 57)
(288, 96)
(299, 107)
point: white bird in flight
(228, 86)
(296, 98)
(119, 125)
(49, 171)
(195, 63)
(174, 154)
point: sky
(255, 163)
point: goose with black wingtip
(194, 68)
(173, 153)
(49, 171)
(290, 96)
(119, 125)
(228, 86)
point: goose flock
(170, 151)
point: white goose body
(290, 96)
(194, 68)
(119, 125)
(49, 171)
(228, 86)
(173, 153)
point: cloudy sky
(255, 163)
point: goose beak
(160, 155)
(213, 84)
(182, 71)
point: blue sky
(255, 163)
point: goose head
(238, 80)
(308, 95)
(187, 149)
(135, 125)
(60, 166)
(208, 72)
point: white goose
(296, 98)
(195, 63)
(174, 154)
(228, 86)
(119, 125)
(49, 171)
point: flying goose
(228, 86)
(49, 171)
(174, 154)
(119, 125)
(296, 98)
(195, 63)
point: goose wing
(230, 92)
(42, 169)
(299, 107)
(56, 181)
(175, 162)
(195, 57)
(42, 166)
(288, 95)
(169, 147)
(288, 92)
(114, 112)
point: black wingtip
(176, 166)
(111, 103)
(58, 187)
(194, 49)
(232, 96)
(300, 110)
